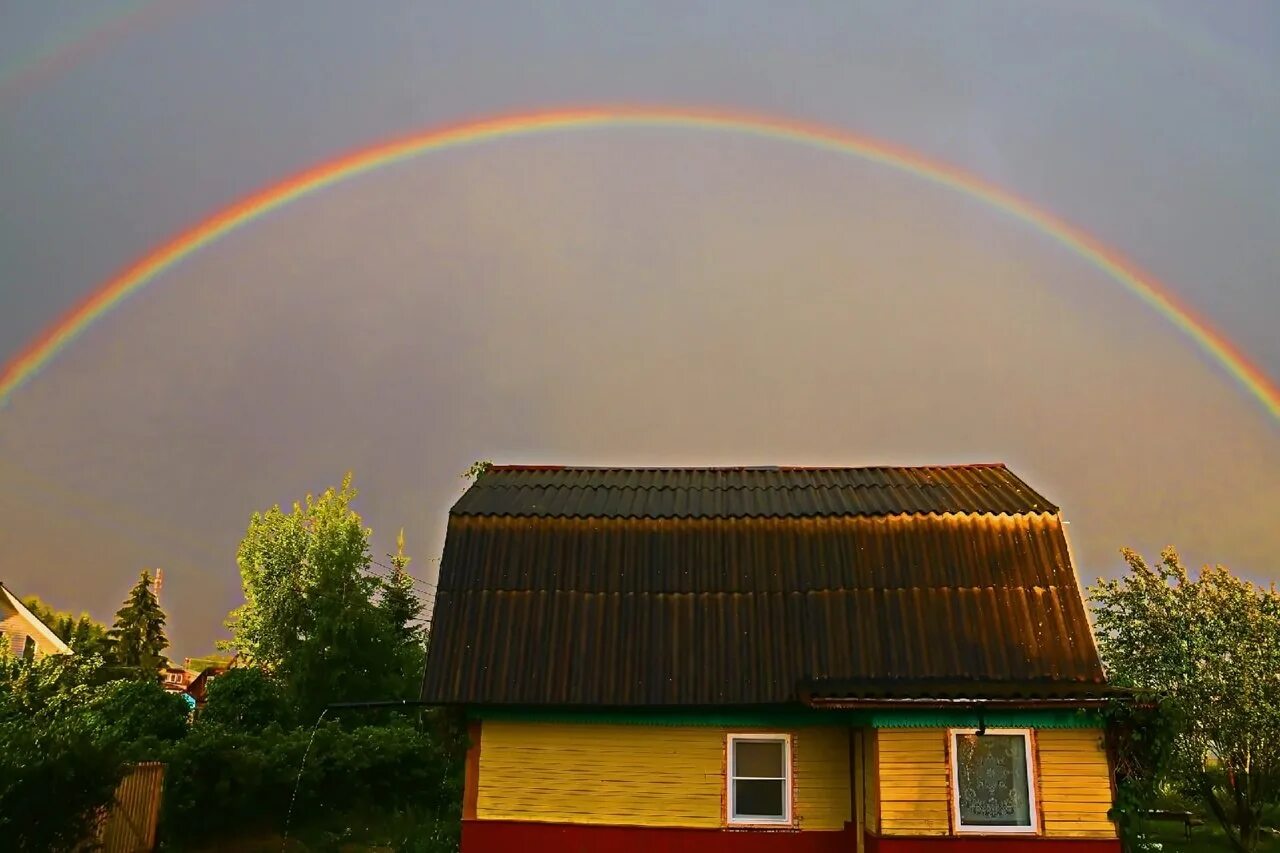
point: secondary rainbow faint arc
(148, 268)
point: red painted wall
(498, 836)
(992, 845)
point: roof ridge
(1054, 512)
(824, 590)
(949, 465)
(742, 487)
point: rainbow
(252, 208)
(73, 44)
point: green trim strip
(797, 717)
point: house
(176, 679)
(782, 659)
(22, 633)
(198, 687)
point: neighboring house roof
(46, 641)
(685, 587)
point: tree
(400, 605)
(309, 615)
(126, 712)
(50, 741)
(84, 634)
(137, 637)
(245, 699)
(1210, 646)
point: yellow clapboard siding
(643, 775)
(820, 762)
(911, 766)
(1075, 783)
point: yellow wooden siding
(870, 779)
(820, 768)
(1075, 783)
(913, 781)
(1072, 778)
(642, 775)
(14, 630)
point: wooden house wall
(912, 780)
(657, 776)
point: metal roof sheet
(731, 611)
(551, 492)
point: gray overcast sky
(651, 296)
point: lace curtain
(991, 776)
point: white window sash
(1032, 806)
(758, 820)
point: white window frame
(1034, 810)
(730, 777)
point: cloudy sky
(626, 296)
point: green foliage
(1210, 647)
(246, 700)
(54, 778)
(310, 615)
(56, 768)
(477, 469)
(83, 633)
(1141, 737)
(401, 608)
(131, 711)
(222, 783)
(137, 637)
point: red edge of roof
(737, 467)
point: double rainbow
(252, 208)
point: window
(759, 779)
(29, 649)
(992, 789)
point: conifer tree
(402, 609)
(137, 637)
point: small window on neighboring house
(759, 778)
(991, 774)
(28, 649)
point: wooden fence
(129, 825)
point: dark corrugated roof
(549, 492)
(733, 611)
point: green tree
(245, 699)
(400, 605)
(56, 769)
(84, 634)
(1210, 647)
(310, 616)
(137, 637)
(127, 712)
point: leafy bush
(222, 781)
(246, 700)
(54, 777)
(56, 769)
(129, 711)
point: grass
(1210, 837)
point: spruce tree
(402, 609)
(137, 637)
(399, 602)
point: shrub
(246, 700)
(56, 770)
(53, 780)
(129, 711)
(222, 781)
